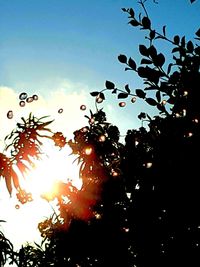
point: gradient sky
(46, 42)
(63, 49)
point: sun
(55, 165)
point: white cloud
(66, 96)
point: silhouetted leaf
(142, 72)
(151, 101)
(122, 95)
(127, 88)
(152, 51)
(142, 115)
(94, 93)
(158, 96)
(132, 63)
(131, 12)
(161, 107)
(102, 96)
(183, 41)
(190, 47)
(159, 60)
(152, 34)
(109, 85)
(146, 61)
(146, 23)
(197, 50)
(164, 30)
(122, 58)
(192, 1)
(175, 49)
(140, 93)
(127, 69)
(143, 50)
(134, 23)
(176, 39)
(169, 68)
(198, 32)
(114, 91)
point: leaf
(175, 49)
(131, 12)
(146, 23)
(15, 179)
(122, 95)
(151, 101)
(8, 183)
(192, 1)
(114, 91)
(161, 108)
(140, 93)
(152, 51)
(183, 41)
(132, 63)
(94, 93)
(101, 95)
(127, 69)
(152, 34)
(158, 96)
(197, 50)
(142, 115)
(146, 61)
(176, 39)
(134, 23)
(109, 85)
(127, 88)
(143, 50)
(169, 68)
(164, 30)
(122, 58)
(190, 47)
(159, 60)
(198, 33)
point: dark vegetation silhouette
(139, 204)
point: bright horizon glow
(22, 219)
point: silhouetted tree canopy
(140, 199)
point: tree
(139, 201)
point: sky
(62, 50)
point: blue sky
(44, 42)
(62, 50)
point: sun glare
(54, 166)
